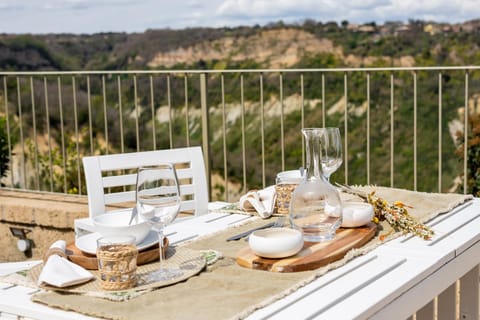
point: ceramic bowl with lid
(276, 242)
(356, 214)
(116, 223)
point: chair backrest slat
(119, 181)
(119, 197)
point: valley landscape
(277, 46)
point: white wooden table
(400, 278)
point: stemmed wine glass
(331, 155)
(158, 202)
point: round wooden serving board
(314, 254)
(89, 261)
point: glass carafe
(316, 208)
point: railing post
(465, 137)
(345, 94)
(9, 138)
(205, 131)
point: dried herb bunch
(397, 216)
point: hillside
(310, 45)
(273, 46)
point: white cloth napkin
(261, 201)
(60, 272)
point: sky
(94, 16)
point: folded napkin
(58, 271)
(261, 201)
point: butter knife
(247, 233)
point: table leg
(427, 312)
(447, 303)
(469, 295)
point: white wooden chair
(111, 179)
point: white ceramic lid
(276, 242)
(356, 214)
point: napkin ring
(52, 251)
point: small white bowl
(289, 177)
(276, 242)
(356, 214)
(116, 223)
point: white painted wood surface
(109, 171)
(394, 281)
(193, 183)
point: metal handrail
(205, 114)
(277, 70)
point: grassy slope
(118, 51)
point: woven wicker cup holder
(284, 196)
(117, 265)
(285, 184)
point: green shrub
(473, 154)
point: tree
(473, 154)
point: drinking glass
(331, 151)
(158, 201)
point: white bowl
(116, 223)
(290, 176)
(276, 242)
(356, 214)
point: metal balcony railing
(397, 124)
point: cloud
(367, 4)
(298, 10)
(261, 8)
(264, 11)
(76, 16)
(359, 11)
(80, 4)
(437, 10)
(195, 4)
(10, 5)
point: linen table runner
(228, 291)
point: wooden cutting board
(89, 261)
(313, 254)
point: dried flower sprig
(397, 216)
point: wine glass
(158, 202)
(331, 155)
